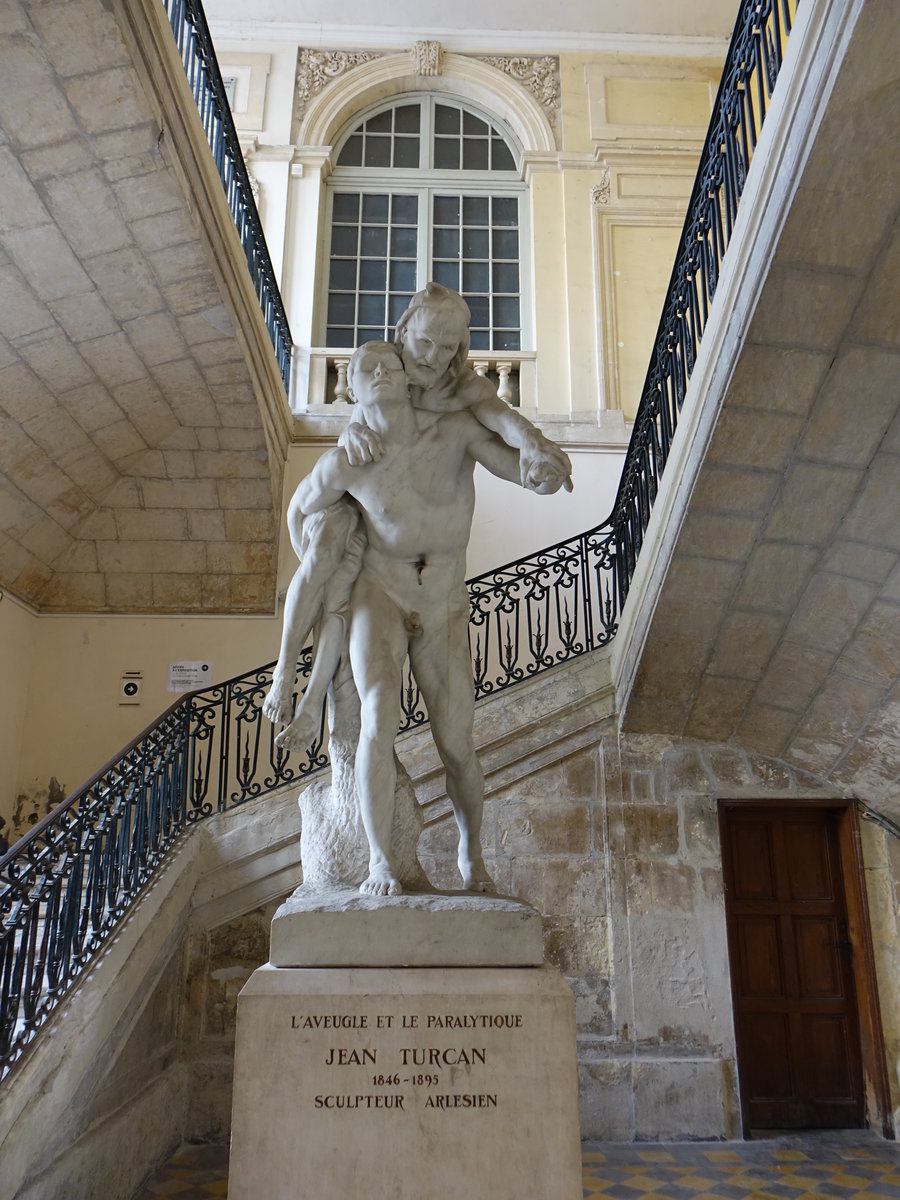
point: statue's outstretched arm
(495, 456)
(543, 466)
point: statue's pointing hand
(544, 468)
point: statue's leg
(304, 728)
(443, 669)
(278, 704)
(377, 650)
(319, 541)
(331, 639)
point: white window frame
(412, 181)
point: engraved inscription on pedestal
(398, 1077)
(427, 1058)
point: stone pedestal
(409, 1082)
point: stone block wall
(881, 854)
(217, 964)
(617, 846)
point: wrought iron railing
(195, 46)
(66, 885)
(751, 68)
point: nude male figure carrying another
(417, 500)
(433, 344)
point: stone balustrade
(512, 372)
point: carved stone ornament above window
(316, 68)
(539, 74)
(426, 57)
(600, 191)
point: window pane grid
(374, 244)
(385, 245)
(463, 141)
(483, 232)
(388, 139)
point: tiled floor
(837, 1166)
(193, 1173)
(856, 1166)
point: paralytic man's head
(376, 374)
(433, 335)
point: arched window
(422, 189)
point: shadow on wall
(30, 807)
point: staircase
(194, 825)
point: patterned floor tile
(835, 1166)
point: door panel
(808, 850)
(819, 966)
(761, 970)
(796, 1018)
(753, 872)
(769, 1072)
(831, 1076)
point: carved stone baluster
(481, 367)
(504, 390)
(341, 388)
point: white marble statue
(381, 528)
(433, 339)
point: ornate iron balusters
(65, 886)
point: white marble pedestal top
(343, 928)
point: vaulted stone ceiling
(134, 473)
(778, 625)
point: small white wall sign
(185, 676)
(130, 687)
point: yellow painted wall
(73, 721)
(582, 296)
(17, 633)
(576, 135)
(640, 278)
(550, 293)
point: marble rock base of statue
(334, 849)
(424, 1082)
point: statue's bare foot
(381, 882)
(278, 705)
(302, 731)
(475, 876)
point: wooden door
(796, 1019)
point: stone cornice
(482, 41)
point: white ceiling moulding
(503, 41)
